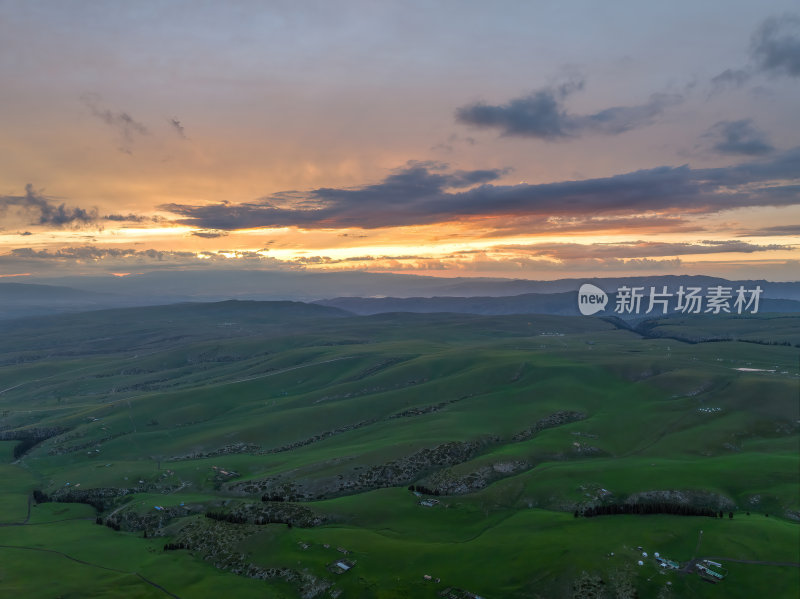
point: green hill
(254, 440)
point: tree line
(241, 519)
(424, 490)
(657, 507)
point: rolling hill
(250, 447)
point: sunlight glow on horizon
(298, 152)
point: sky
(534, 140)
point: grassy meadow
(519, 422)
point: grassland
(518, 421)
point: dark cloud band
(35, 209)
(738, 137)
(425, 194)
(542, 115)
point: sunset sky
(519, 139)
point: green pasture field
(553, 414)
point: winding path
(85, 563)
(25, 521)
(756, 562)
(75, 559)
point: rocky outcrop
(40, 433)
(252, 449)
(395, 473)
(446, 482)
(320, 437)
(555, 419)
(230, 449)
(270, 512)
(62, 449)
(216, 541)
(101, 499)
(155, 519)
(153, 522)
(421, 411)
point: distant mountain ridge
(312, 286)
(235, 314)
(35, 291)
(563, 304)
(528, 303)
(360, 292)
(25, 299)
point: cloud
(732, 78)
(94, 258)
(481, 261)
(178, 128)
(92, 253)
(774, 49)
(542, 115)
(738, 137)
(209, 234)
(130, 217)
(548, 254)
(527, 225)
(35, 209)
(777, 230)
(451, 142)
(638, 249)
(426, 193)
(775, 45)
(122, 122)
